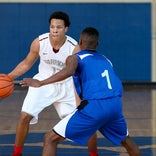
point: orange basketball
(6, 86)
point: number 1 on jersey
(106, 74)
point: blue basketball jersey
(101, 108)
(99, 79)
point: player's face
(57, 29)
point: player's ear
(80, 41)
(80, 45)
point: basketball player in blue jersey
(52, 49)
(101, 108)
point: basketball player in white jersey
(52, 49)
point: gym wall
(125, 32)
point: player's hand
(30, 82)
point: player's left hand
(30, 82)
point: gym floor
(139, 107)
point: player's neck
(58, 44)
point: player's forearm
(18, 71)
(62, 75)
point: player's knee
(137, 152)
(131, 147)
(25, 118)
(51, 138)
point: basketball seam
(5, 80)
(7, 86)
(7, 94)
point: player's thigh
(65, 108)
(76, 127)
(38, 99)
(67, 103)
(115, 131)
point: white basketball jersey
(50, 61)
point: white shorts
(61, 95)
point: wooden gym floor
(139, 107)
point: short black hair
(60, 15)
(91, 31)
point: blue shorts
(103, 115)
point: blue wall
(125, 33)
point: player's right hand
(30, 82)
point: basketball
(6, 86)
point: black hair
(90, 31)
(60, 15)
